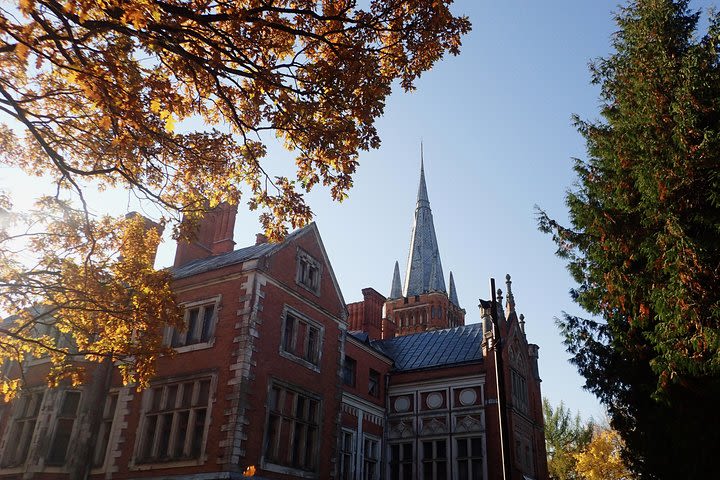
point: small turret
(395, 288)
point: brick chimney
(213, 237)
(366, 315)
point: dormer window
(309, 272)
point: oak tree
(643, 240)
(176, 100)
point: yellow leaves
(26, 6)
(601, 459)
(167, 116)
(9, 388)
(249, 471)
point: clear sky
(498, 139)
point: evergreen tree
(643, 241)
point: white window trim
(483, 450)
(135, 464)
(274, 467)
(353, 450)
(9, 427)
(60, 398)
(291, 356)
(168, 334)
(302, 255)
(111, 434)
(367, 436)
(421, 454)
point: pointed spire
(422, 196)
(396, 289)
(510, 299)
(453, 292)
(424, 257)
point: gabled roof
(253, 252)
(436, 348)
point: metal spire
(424, 256)
(396, 289)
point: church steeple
(424, 269)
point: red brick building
(276, 372)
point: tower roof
(424, 268)
(396, 289)
(453, 292)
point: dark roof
(436, 348)
(230, 258)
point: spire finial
(510, 302)
(522, 322)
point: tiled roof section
(424, 269)
(208, 264)
(436, 348)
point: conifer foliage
(643, 240)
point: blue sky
(498, 139)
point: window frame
(375, 392)
(188, 307)
(470, 458)
(402, 463)
(106, 430)
(434, 461)
(276, 418)
(25, 436)
(65, 417)
(373, 460)
(308, 271)
(347, 457)
(289, 334)
(142, 461)
(349, 371)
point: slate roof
(436, 348)
(230, 258)
(424, 269)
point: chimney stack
(213, 237)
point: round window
(468, 396)
(434, 400)
(402, 404)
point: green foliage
(643, 244)
(565, 436)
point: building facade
(275, 376)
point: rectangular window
(434, 463)
(347, 455)
(199, 326)
(23, 426)
(348, 372)
(309, 271)
(374, 383)
(519, 390)
(292, 433)
(175, 419)
(104, 432)
(64, 423)
(469, 458)
(371, 457)
(302, 339)
(401, 461)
